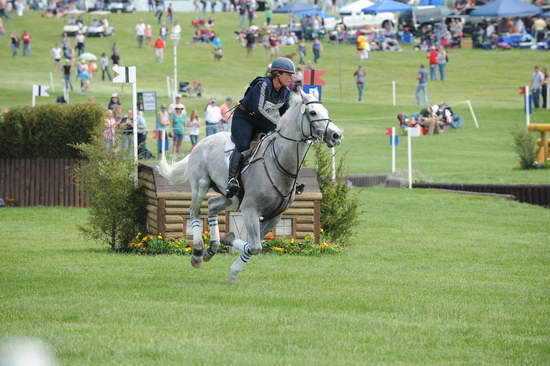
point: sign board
(147, 101)
(175, 36)
(315, 90)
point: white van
(353, 16)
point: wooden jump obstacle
(543, 143)
(168, 208)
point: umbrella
(506, 8)
(387, 6)
(302, 14)
(88, 56)
(295, 8)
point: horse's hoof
(207, 257)
(196, 262)
(233, 277)
(227, 239)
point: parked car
(121, 6)
(468, 21)
(423, 15)
(352, 16)
(99, 28)
(73, 26)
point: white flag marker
(39, 91)
(124, 74)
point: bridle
(308, 139)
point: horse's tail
(175, 172)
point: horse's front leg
(215, 206)
(248, 248)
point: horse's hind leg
(199, 189)
(250, 248)
(215, 206)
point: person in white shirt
(57, 54)
(140, 33)
(212, 117)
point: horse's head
(316, 123)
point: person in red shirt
(432, 57)
(160, 44)
(26, 37)
(226, 113)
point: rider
(260, 109)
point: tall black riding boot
(233, 186)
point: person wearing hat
(163, 121)
(263, 104)
(113, 102)
(212, 117)
(178, 122)
(226, 113)
(172, 107)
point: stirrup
(233, 187)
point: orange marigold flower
(269, 236)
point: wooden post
(545, 145)
(161, 216)
(317, 221)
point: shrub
(339, 207)
(525, 147)
(116, 205)
(48, 131)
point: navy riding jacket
(265, 105)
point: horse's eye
(312, 113)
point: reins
(308, 139)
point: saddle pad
(229, 147)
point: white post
(394, 97)
(169, 87)
(333, 153)
(162, 152)
(410, 157)
(527, 106)
(472, 112)
(134, 113)
(51, 82)
(175, 71)
(393, 162)
(33, 99)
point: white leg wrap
(239, 263)
(197, 231)
(239, 244)
(214, 229)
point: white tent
(355, 7)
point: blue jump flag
(315, 90)
(394, 140)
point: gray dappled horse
(268, 179)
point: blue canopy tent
(387, 6)
(295, 8)
(302, 14)
(506, 8)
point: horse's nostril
(336, 136)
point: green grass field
(430, 278)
